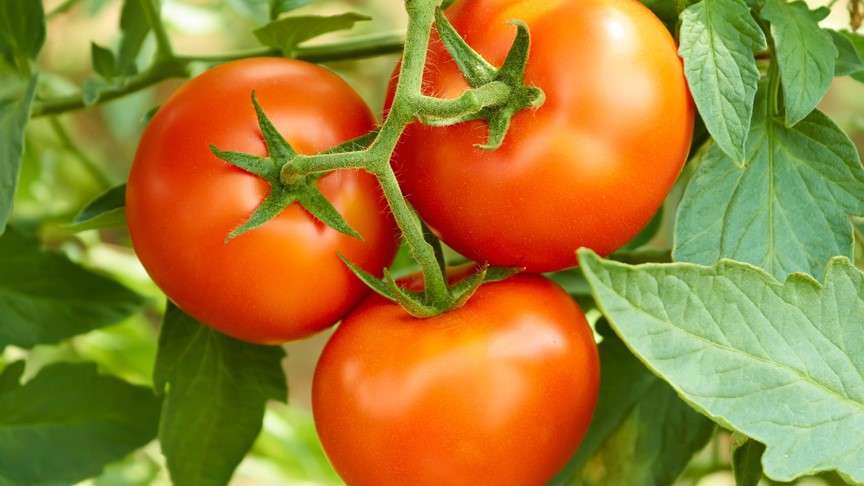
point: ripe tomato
(589, 168)
(283, 280)
(498, 392)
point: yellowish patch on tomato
(529, 10)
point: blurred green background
(72, 158)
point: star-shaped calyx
(478, 72)
(303, 190)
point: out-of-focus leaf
(134, 28)
(68, 422)
(746, 460)
(718, 38)
(641, 433)
(22, 32)
(14, 115)
(104, 211)
(805, 54)
(289, 32)
(786, 210)
(647, 233)
(216, 388)
(780, 363)
(103, 61)
(850, 52)
(45, 298)
(278, 7)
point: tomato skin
(498, 392)
(589, 168)
(280, 281)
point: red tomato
(283, 280)
(497, 392)
(589, 168)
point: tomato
(589, 168)
(283, 280)
(497, 392)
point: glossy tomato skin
(283, 280)
(589, 168)
(497, 392)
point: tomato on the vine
(499, 391)
(283, 280)
(588, 168)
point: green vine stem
(499, 90)
(357, 47)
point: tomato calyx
(479, 72)
(300, 189)
(418, 303)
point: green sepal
(303, 191)
(497, 274)
(370, 280)
(311, 198)
(466, 287)
(278, 148)
(478, 72)
(269, 208)
(476, 69)
(388, 288)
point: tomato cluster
(501, 390)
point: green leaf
(849, 59)
(45, 298)
(103, 61)
(109, 201)
(289, 32)
(718, 38)
(786, 210)
(278, 7)
(746, 460)
(22, 32)
(805, 54)
(668, 10)
(68, 422)
(134, 28)
(641, 433)
(10, 377)
(216, 389)
(780, 363)
(14, 115)
(647, 233)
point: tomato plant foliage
(735, 318)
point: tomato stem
(357, 47)
(495, 96)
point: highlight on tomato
(589, 168)
(283, 280)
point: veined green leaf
(134, 28)
(216, 388)
(780, 363)
(68, 422)
(45, 298)
(718, 38)
(641, 433)
(805, 54)
(787, 210)
(14, 115)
